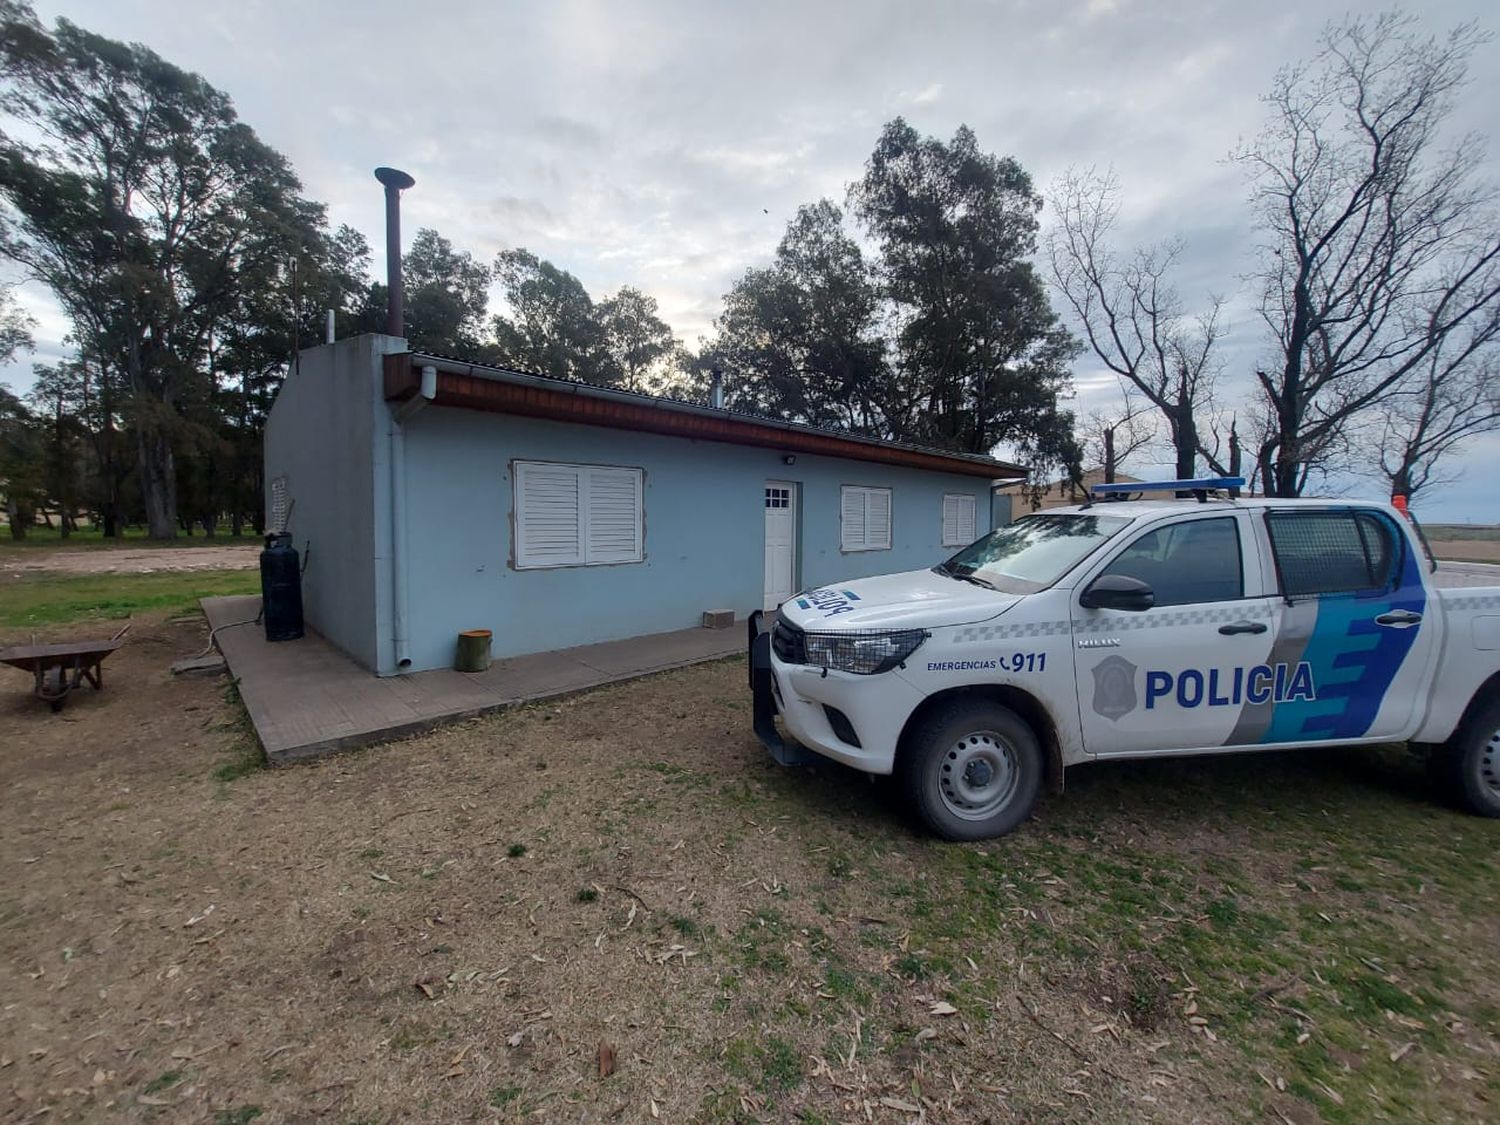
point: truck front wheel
(1470, 763)
(972, 769)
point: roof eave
(500, 390)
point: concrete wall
(704, 538)
(327, 433)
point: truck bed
(1466, 575)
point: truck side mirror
(1117, 591)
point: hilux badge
(1114, 688)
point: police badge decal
(1114, 687)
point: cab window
(1187, 563)
(1333, 552)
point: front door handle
(1243, 627)
(1399, 619)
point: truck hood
(914, 599)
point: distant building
(1057, 494)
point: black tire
(1469, 763)
(55, 685)
(972, 770)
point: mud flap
(786, 752)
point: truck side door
(1176, 676)
(1354, 627)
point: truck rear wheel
(1470, 763)
(972, 769)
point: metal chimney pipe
(716, 389)
(395, 181)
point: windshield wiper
(974, 578)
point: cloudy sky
(665, 144)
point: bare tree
(1381, 246)
(1111, 437)
(1418, 428)
(1131, 314)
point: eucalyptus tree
(133, 191)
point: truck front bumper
(807, 699)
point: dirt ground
(1470, 550)
(472, 925)
(132, 560)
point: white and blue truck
(1136, 627)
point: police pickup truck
(1130, 627)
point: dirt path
(132, 560)
(1473, 550)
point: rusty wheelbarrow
(60, 668)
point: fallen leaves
(456, 1063)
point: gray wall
(704, 539)
(327, 433)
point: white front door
(781, 542)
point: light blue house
(431, 496)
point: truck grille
(789, 643)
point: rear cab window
(1324, 553)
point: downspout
(399, 417)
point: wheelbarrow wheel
(55, 688)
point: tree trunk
(1185, 436)
(1109, 455)
(158, 483)
(13, 516)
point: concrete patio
(306, 698)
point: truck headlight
(862, 653)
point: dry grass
(448, 928)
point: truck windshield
(1031, 553)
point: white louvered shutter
(852, 519)
(958, 520)
(878, 519)
(548, 506)
(577, 515)
(613, 529)
(865, 518)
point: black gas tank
(281, 588)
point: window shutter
(878, 519)
(614, 515)
(852, 519)
(864, 518)
(958, 519)
(547, 511)
(577, 515)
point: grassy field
(1463, 532)
(457, 926)
(42, 598)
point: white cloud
(665, 143)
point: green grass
(1332, 937)
(1437, 532)
(50, 599)
(163, 1081)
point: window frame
(973, 519)
(867, 490)
(1240, 531)
(583, 473)
(1398, 541)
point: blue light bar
(1202, 485)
